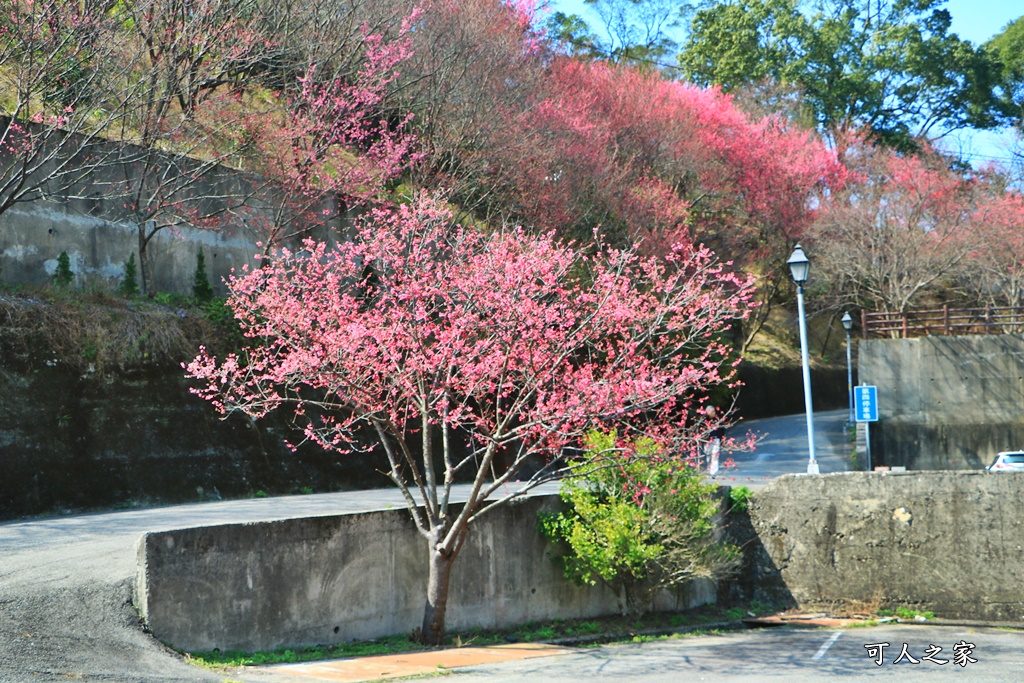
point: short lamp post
(799, 267)
(848, 325)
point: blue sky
(979, 20)
(974, 20)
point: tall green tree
(1008, 48)
(890, 66)
(63, 276)
(129, 286)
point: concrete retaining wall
(333, 579)
(86, 213)
(770, 392)
(71, 442)
(945, 402)
(34, 234)
(950, 542)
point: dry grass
(776, 344)
(99, 332)
(858, 607)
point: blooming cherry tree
(993, 271)
(433, 334)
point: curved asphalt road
(65, 583)
(782, 448)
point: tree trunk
(145, 276)
(633, 597)
(438, 577)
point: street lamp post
(799, 267)
(848, 325)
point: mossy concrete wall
(948, 542)
(89, 217)
(945, 402)
(333, 579)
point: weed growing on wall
(739, 498)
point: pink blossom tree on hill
(430, 333)
(993, 273)
(327, 145)
(901, 226)
(56, 60)
(661, 161)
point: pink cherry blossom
(430, 333)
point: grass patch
(863, 624)
(95, 330)
(674, 636)
(614, 629)
(365, 648)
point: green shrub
(171, 300)
(637, 522)
(739, 498)
(906, 613)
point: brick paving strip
(415, 663)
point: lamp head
(799, 266)
(847, 321)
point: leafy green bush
(637, 521)
(171, 300)
(739, 498)
(222, 316)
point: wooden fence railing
(945, 320)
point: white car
(1008, 461)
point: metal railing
(943, 321)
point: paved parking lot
(786, 654)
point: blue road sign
(865, 401)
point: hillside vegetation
(333, 108)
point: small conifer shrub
(201, 288)
(129, 286)
(63, 276)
